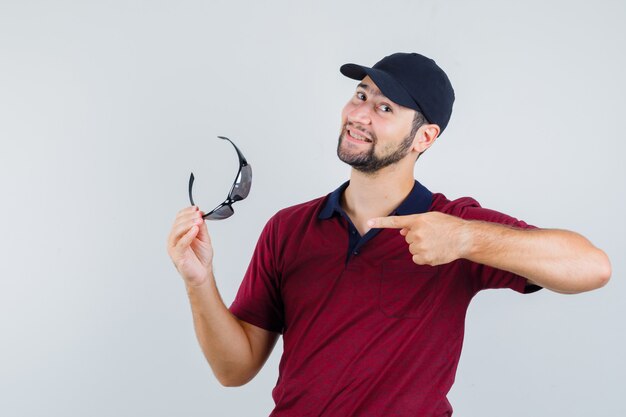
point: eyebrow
(370, 89)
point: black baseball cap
(410, 80)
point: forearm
(559, 260)
(223, 340)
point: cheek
(349, 108)
(395, 129)
(344, 113)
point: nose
(360, 114)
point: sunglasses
(239, 190)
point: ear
(425, 137)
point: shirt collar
(418, 201)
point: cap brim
(385, 82)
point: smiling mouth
(357, 137)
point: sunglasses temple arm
(242, 159)
(191, 179)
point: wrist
(467, 239)
(200, 283)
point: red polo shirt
(366, 332)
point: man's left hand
(434, 238)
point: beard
(366, 161)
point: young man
(370, 284)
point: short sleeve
(258, 300)
(487, 277)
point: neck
(378, 194)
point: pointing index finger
(389, 222)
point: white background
(105, 108)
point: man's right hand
(189, 246)
(236, 350)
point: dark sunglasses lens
(223, 211)
(242, 184)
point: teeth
(359, 137)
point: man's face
(375, 131)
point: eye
(360, 96)
(385, 108)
